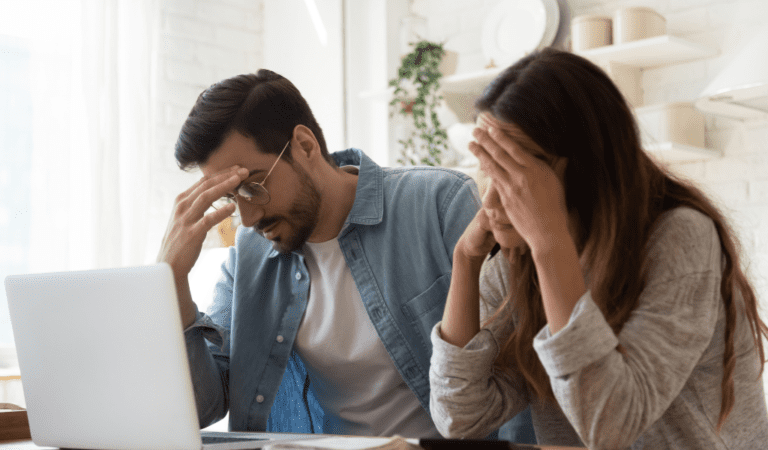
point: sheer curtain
(92, 71)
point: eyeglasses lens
(254, 193)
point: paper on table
(349, 443)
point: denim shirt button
(298, 276)
(260, 398)
(279, 338)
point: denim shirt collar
(368, 208)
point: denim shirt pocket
(426, 309)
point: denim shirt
(398, 242)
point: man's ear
(306, 142)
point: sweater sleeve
(611, 398)
(469, 397)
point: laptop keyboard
(223, 438)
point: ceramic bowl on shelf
(633, 24)
(676, 122)
(590, 31)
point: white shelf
(462, 83)
(469, 83)
(648, 53)
(624, 63)
(675, 152)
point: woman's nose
(492, 204)
(491, 198)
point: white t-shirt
(352, 375)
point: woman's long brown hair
(570, 108)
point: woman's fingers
(477, 239)
(487, 163)
(511, 148)
(503, 153)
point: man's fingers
(209, 220)
(202, 180)
(216, 179)
(206, 198)
(212, 189)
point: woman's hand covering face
(531, 197)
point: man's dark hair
(264, 106)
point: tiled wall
(739, 179)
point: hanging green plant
(417, 97)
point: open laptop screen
(102, 359)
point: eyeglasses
(253, 192)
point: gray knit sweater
(665, 394)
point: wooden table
(13, 423)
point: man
(321, 319)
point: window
(15, 154)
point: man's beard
(302, 217)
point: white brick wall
(201, 42)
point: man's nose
(250, 214)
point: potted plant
(417, 97)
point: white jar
(590, 31)
(677, 122)
(632, 24)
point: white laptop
(104, 364)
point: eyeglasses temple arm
(275, 163)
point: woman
(617, 307)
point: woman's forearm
(461, 317)
(561, 281)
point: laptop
(104, 364)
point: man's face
(291, 215)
